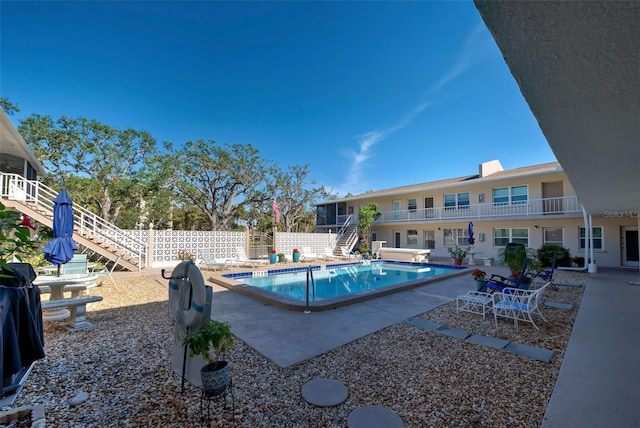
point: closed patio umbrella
(471, 239)
(62, 247)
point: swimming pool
(336, 284)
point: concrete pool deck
(308, 335)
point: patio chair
(546, 274)
(518, 305)
(476, 302)
(242, 259)
(500, 283)
(346, 254)
(212, 262)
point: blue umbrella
(62, 247)
(471, 240)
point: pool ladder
(313, 286)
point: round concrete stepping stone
(374, 417)
(324, 392)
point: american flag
(276, 210)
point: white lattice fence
(167, 244)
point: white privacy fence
(166, 246)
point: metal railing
(18, 188)
(532, 207)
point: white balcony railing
(532, 207)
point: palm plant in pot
(458, 253)
(216, 336)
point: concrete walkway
(599, 380)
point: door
(630, 253)
(396, 210)
(396, 239)
(552, 193)
(428, 207)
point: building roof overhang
(578, 67)
(12, 143)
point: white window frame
(412, 238)
(458, 202)
(581, 238)
(511, 199)
(544, 235)
(511, 236)
(457, 236)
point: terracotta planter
(457, 262)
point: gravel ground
(429, 380)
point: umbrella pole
(59, 266)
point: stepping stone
(558, 305)
(425, 324)
(528, 351)
(453, 332)
(373, 417)
(323, 392)
(489, 341)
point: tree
(8, 106)
(295, 196)
(100, 165)
(367, 215)
(216, 179)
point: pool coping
(228, 281)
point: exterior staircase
(347, 236)
(102, 238)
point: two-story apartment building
(530, 205)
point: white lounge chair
(243, 260)
(328, 254)
(307, 255)
(212, 262)
(347, 255)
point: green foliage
(15, 239)
(214, 336)
(103, 168)
(8, 106)
(514, 255)
(545, 255)
(458, 252)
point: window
(510, 195)
(598, 238)
(412, 205)
(412, 237)
(553, 235)
(430, 239)
(501, 237)
(456, 200)
(453, 237)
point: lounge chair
(546, 275)
(500, 283)
(346, 254)
(328, 254)
(307, 255)
(212, 262)
(243, 260)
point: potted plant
(296, 255)
(217, 336)
(273, 257)
(458, 253)
(479, 276)
(282, 258)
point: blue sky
(371, 95)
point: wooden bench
(75, 289)
(405, 254)
(77, 307)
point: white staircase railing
(17, 188)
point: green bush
(545, 255)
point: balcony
(530, 208)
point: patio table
(57, 285)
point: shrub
(545, 254)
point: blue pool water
(342, 280)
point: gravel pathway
(123, 367)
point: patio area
(123, 370)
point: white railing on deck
(532, 207)
(15, 187)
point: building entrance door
(630, 253)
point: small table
(57, 284)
